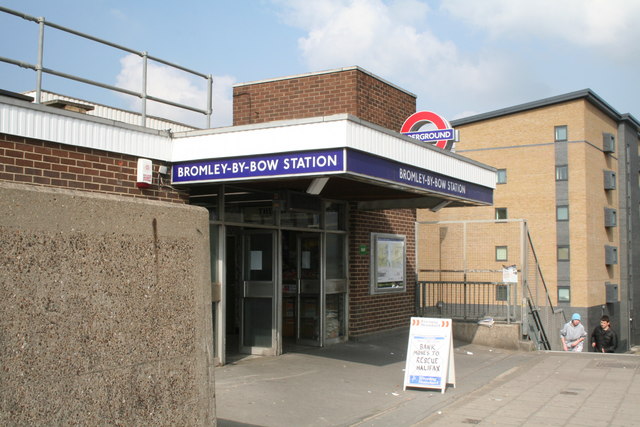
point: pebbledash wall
(105, 310)
(104, 292)
(353, 91)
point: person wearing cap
(573, 334)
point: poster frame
(381, 242)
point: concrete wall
(105, 311)
(500, 335)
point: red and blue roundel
(442, 137)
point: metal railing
(39, 68)
(466, 300)
(543, 321)
(457, 271)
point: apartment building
(568, 166)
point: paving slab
(361, 384)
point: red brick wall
(371, 313)
(350, 91)
(58, 165)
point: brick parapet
(52, 164)
(351, 91)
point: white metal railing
(39, 68)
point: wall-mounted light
(440, 205)
(317, 185)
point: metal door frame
(259, 288)
(320, 291)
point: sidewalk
(361, 384)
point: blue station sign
(275, 165)
(342, 161)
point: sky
(459, 57)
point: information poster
(430, 361)
(390, 262)
(509, 274)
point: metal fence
(475, 269)
(143, 94)
(466, 300)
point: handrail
(143, 95)
(544, 284)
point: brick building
(568, 165)
(312, 222)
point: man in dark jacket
(603, 338)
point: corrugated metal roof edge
(590, 95)
(324, 119)
(166, 134)
(97, 104)
(80, 116)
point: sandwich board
(430, 361)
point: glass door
(335, 288)
(258, 329)
(309, 290)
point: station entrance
(285, 283)
(279, 291)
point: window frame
(558, 213)
(563, 299)
(564, 168)
(506, 253)
(558, 248)
(503, 173)
(556, 130)
(506, 214)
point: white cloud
(176, 86)
(394, 40)
(611, 26)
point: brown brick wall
(52, 164)
(350, 91)
(371, 313)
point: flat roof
(381, 168)
(332, 71)
(588, 94)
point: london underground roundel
(442, 136)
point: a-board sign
(430, 361)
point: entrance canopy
(338, 157)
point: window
(564, 294)
(502, 176)
(501, 213)
(563, 253)
(562, 213)
(561, 133)
(502, 293)
(562, 173)
(501, 253)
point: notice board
(430, 361)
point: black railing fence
(466, 300)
